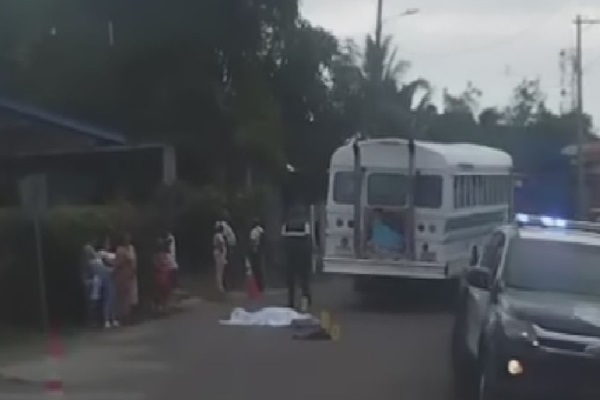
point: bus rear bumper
(402, 268)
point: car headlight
(514, 328)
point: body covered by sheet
(268, 316)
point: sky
(492, 43)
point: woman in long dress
(126, 276)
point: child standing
(102, 291)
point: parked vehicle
(527, 324)
(398, 208)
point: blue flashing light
(560, 223)
(547, 221)
(543, 221)
(524, 218)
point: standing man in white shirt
(255, 256)
(231, 242)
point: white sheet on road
(268, 316)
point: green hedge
(65, 230)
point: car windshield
(551, 266)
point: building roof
(60, 121)
(590, 148)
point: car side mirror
(479, 278)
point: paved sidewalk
(89, 356)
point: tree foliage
(242, 85)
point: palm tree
(391, 108)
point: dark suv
(527, 324)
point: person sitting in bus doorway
(384, 239)
(298, 255)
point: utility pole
(580, 22)
(379, 23)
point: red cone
(54, 384)
(251, 285)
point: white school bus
(423, 209)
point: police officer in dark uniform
(297, 241)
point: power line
(504, 41)
(592, 62)
(595, 59)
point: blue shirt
(386, 238)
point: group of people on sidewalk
(110, 273)
(110, 276)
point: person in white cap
(231, 243)
(255, 255)
(227, 232)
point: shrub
(66, 229)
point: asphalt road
(392, 347)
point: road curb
(14, 380)
(182, 306)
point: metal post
(34, 200)
(358, 217)
(511, 200)
(581, 200)
(411, 200)
(581, 183)
(41, 275)
(111, 33)
(371, 107)
(379, 23)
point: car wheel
(485, 387)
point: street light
(407, 12)
(380, 19)
(378, 50)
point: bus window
(385, 189)
(468, 185)
(462, 189)
(456, 192)
(428, 191)
(497, 190)
(479, 190)
(343, 187)
(508, 189)
(473, 190)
